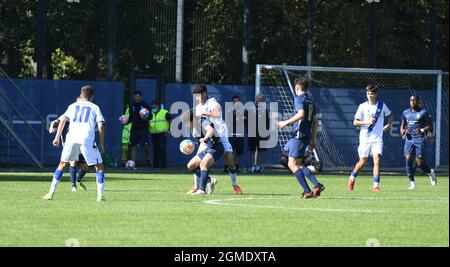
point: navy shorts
(295, 148)
(216, 151)
(253, 144)
(415, 147)
(139, 136)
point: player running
(416, 123)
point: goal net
(337, 92)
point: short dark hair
(372, 88)
(137, 92)
(304, 83)
(154, 102)
(416, 96)
(200, 89)
(234, 97)
(87, 91)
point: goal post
(337, 92)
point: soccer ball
(144, 113)
(130, 164)
(123, 119)
(187, 147)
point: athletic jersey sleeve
(68, 114)
(359, 113)
(403, 119)
(213, 104)
(298, 104)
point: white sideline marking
(223, 202)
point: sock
(237, 167)
(80, 174)
(410, 169)
(100, 183)
(301, 179)
(72, 172)
(353, 175)
(412, 183)
(425, 168)
(203, 179)
(376, 181)
(307, 172)
(56, 178)
(197, 174)
(233, 177)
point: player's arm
(61, 125)
(359, 123)
(403, 124)
(209, 133)
(53, 126)
(314, 126)
(215, 113)
(300, 114)
(101, 134)
(389, 124)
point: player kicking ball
(304, 133)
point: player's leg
(421, 162)
(162, 150)
(377, 152)
(206, 162)
(252, 153)
(296, 150)
(317, 186)
(73, 174)
(134, 140)
(363, 152)
(229, 160)
(376, 172)
(100, 179)
(193, 166)
(93, 157)
(409, 152)
(70, 152)
(239, 149)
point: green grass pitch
(153, 210)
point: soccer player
(415, 124)
(211, 149)
(83, 116)
(304, 133)
(75, 175)
(370, 117)
(210, 108)
(193, 165)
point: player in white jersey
(84, 116)
(210, 108)
(370, 117)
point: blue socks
(203, 179)
(72, 172)
(307, 172)
(58, 174)
(301, 179)
(80, 174)
(424, 166)
(410, 169)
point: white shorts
(90, 153)
(226, 144)
(368, 149)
